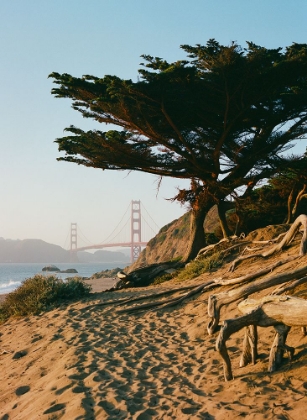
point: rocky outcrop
(52, 268)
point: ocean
(12, 274)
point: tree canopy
(221, 118)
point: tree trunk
(298, 198)
(197, 233)
(221, 208)
(289, 203)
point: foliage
(199, 266)
(222, 119)
(41, 293)
(264, 206)
(224, 107)
(163, 278)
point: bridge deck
(118, 244)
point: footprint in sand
(54, 408)
(20, 354)
(22, 390)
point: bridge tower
(135, 229)
(73, 242)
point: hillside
(172, 240)
(31, 251)
(38, 251)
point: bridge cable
(107, 239)
(151, 218)
(83, 237)
(118, 233)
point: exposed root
(170, 302)
(216, 302)
(288, 238)
(279, 312)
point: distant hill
(103, 256)
(38, 251)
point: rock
(51, 268)
(69, 270)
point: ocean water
(12, 274)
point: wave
(9, 286)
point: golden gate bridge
(133, 231)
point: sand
(88, 361)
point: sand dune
(88, 361)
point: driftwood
(301, 221)
(217, 301)
(281, 312)
(145, 275)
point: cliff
(172, 240)
(170, 243)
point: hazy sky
(40, 196)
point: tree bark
(279, 347)
(221, 209)
(197, 232)
(298, 198)
(250, 352)
(289, 203)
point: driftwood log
(145, 275)
(281, 312)
(217, 301)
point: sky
(39, 196)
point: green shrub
(197, 267)
(161, 237)
(106, 273)
(163, 278)
(40, 293)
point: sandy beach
(89, 360)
